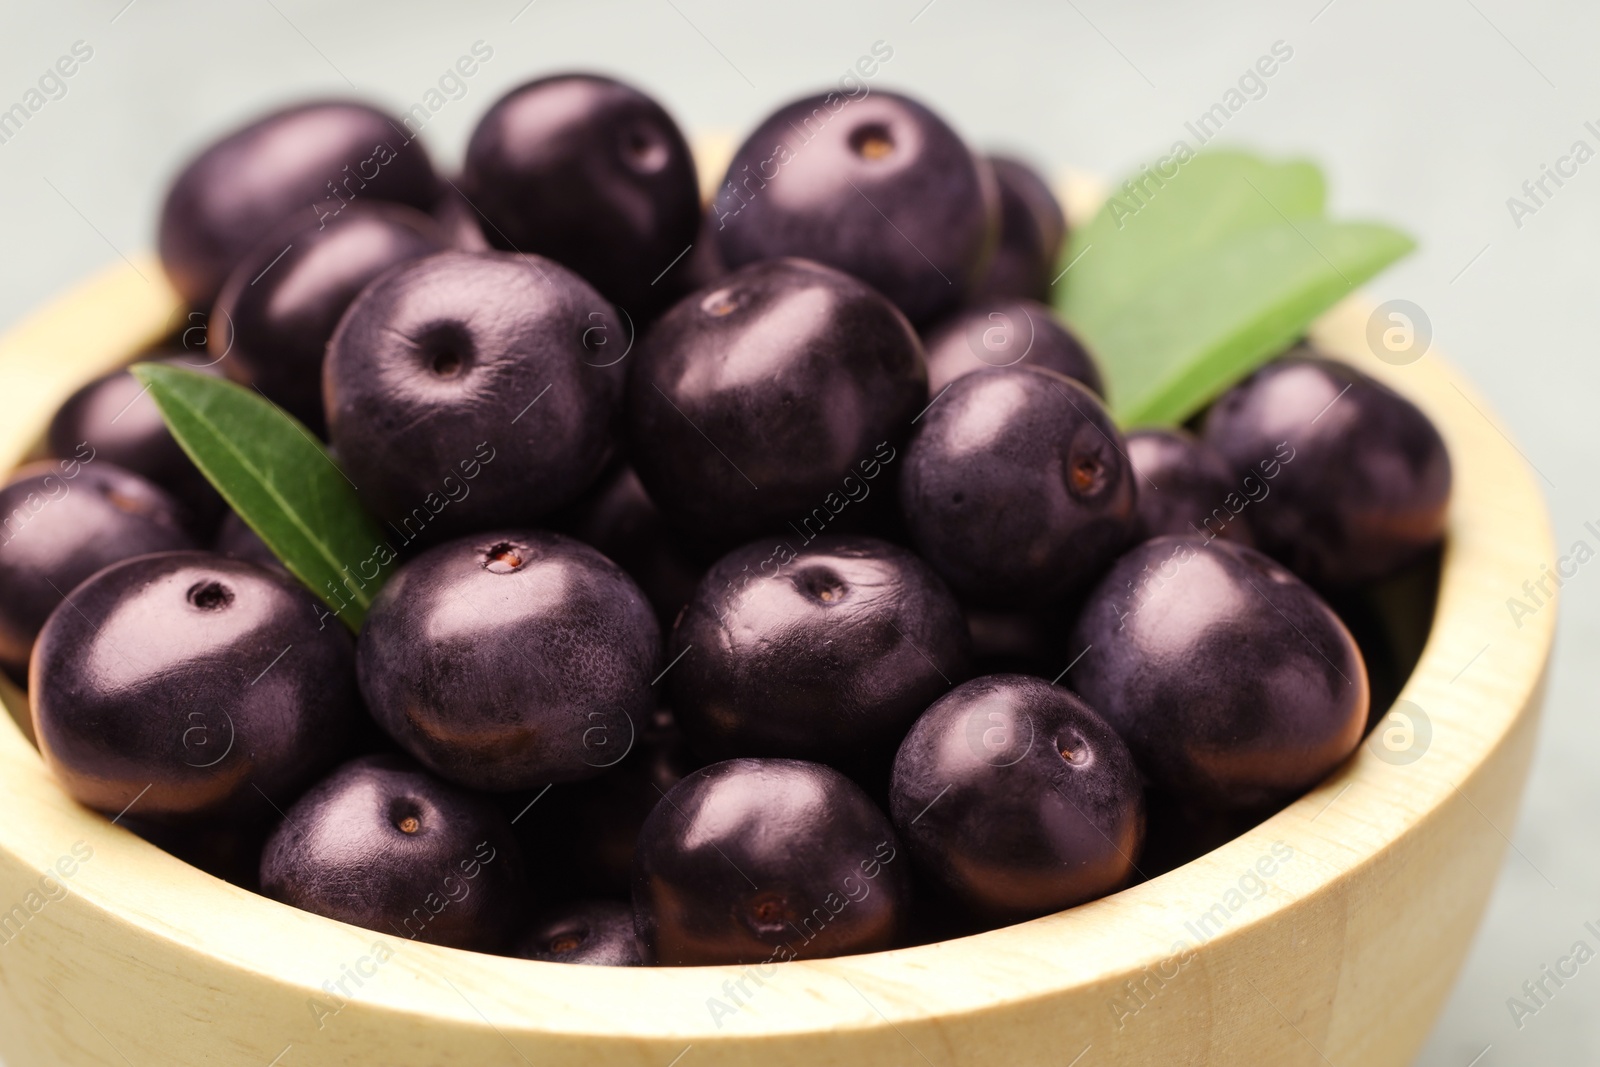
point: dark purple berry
(767, 860)
(1187, 490)
(238, 541)
(875, 185)
(114, 419)
(60, 522)
(594, 174)
(191, 687)
(596, 932)
(772, 398)
(1007, 333)
(471, 390)
(826, 654)
(1232, 682)
(510, 659)
(1016, 487)
(1033, 231)
(310, 161)
(1359, 479)
(1017, 799)
(383, 845)
(280, 305)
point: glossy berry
(1015, 487)
(1017, 799)
(758, 860)
(193, 686)
(1007, 333)
(593, 174)
(1033, 231)
(875, 185)
(310, 161)
(828, 653)
(595, 932)
(1187, 490)
(1363, 478)
(384, 845)
(60, 521)
(773, 397)
(469, 390)
(1231, 681)
(280, 305)
(618, 517)
(114, 419)
(510, 659)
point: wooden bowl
(1328, 934)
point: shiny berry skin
(114, 419)
(193, 684)
(876, 185)
(1015, 487)
(1364, 478)
(309, 161)
(773, 393)
(1187, 490)
(383, 845)
(280, 305)
(593, 174)
(489, 380)
(828, 653)
(1007, 333)
(1232, 682)
(1033, 231)
(757, 860)
(60, 521)
(510, 659)
(1017, 799)
(595, 932)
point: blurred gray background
(1425, 113)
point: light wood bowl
(1343, 958)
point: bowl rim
(1498, 534)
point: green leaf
(283, 484)
(1183, 288)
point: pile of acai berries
(766, 578)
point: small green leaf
(1183, 288)
(282, 483)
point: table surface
(1431, 114)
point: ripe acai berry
(1007, 333)
(60, 522)
(192, 687)
(310, 161)
(1033, 230)
(1016, 488)
(758, 860)
(508, 660)
(1017, 799)
(828, 653)
(115, 420)
(384, 845)
(596, 932)
(1187, 490)
(280, 305)
(876, 185)
(1364, 478)
(594, 174)
(474, 389)
(1231, 681)
(770, 398)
